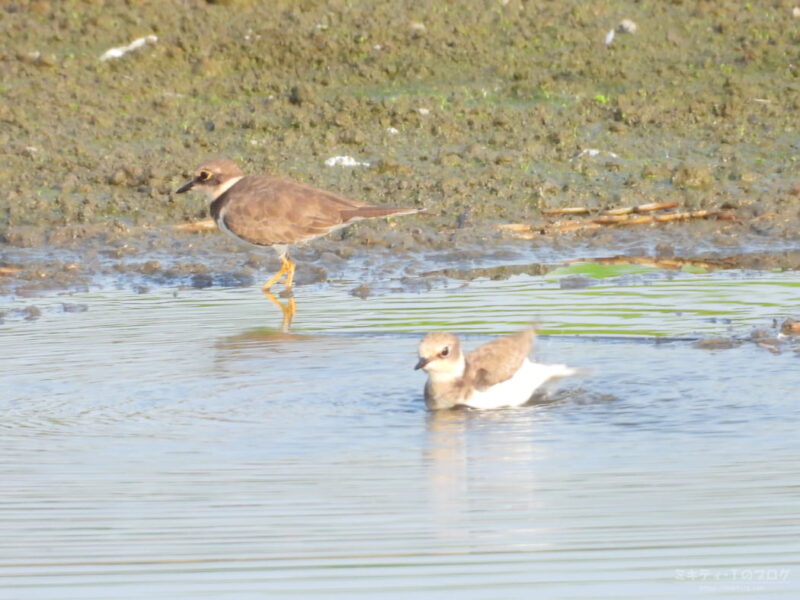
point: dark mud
(485, 112)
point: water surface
(176, 444)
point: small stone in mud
(193, 268)
(330, 258)
(362, 291)
(118, 177)
(37, 274)
(31, 313)
(74, 308)
(462, 218)
(202, 280)
(150, 267)
(416, 29)
(300, 94)
(655, 172)
(665, 250)
(574, 282)
(22, 237)
(417, 284)
(234, 279)
(387, 166)
(717, 343)
(691, 177)
(345, 251)
(311, 274)
(257, 261)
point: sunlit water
(175, 445)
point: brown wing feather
(273, 210)
(496, 361)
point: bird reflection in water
(287, 310)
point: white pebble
(609, 37)
(594, 152)
(627, 26)
(122, 50)
(345, 161)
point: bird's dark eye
(445, 351)
(203, 176)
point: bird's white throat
(446, 375)
(217, 191)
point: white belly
(519, 389)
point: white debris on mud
(625, 26)
(121, 51)
(594, 152)
(345, 161)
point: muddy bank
(376, 257)
(485, 112)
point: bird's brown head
(440, 353)
(213, 177)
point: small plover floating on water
(495, 375)
(263, 210)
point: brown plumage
(498, 360)
(273, 211)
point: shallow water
(176, 444)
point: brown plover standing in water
(263, 210)
(495, 375)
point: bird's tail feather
(550, 371)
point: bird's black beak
(422, 362)
(185, 187)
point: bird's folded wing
(498, 360)
(271, 210)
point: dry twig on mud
(572, 210)
(629, 215)
(197, 226)
(641, 208)
(673, 264)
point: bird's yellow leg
(290, 274)
(285, 265)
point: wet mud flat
(375, 257)
(484, 112)
(718, 299)
(384, 258)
